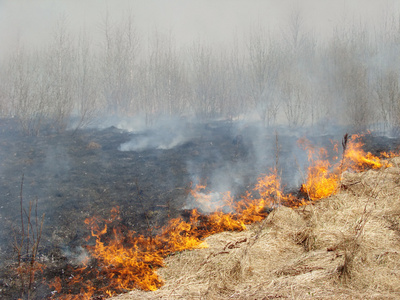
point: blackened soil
(77, 175)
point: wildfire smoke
(124, 260)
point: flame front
(357, 159)
(125, 260)
(323, 177)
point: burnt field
(148, 174)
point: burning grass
(325, 171)
(343, 247)
(308, 242)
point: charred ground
(79, 174)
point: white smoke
(165, 134)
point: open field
(344, 247)
(80, 175)
(269, 133)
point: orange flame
(357, 158)
(126, 260)
(323, 178)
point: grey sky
(31, 21)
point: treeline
(351, 78)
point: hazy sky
(31, 21)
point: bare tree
(351, 77)
(296, 97)
(236, 102)
(387, 93)
(58, 68)
(24, 91)
(231, 85)
(296, 37)
(290, 76)
(166, 77)
(87, 105)
(263, 68)
(204, 82)
(118, 62)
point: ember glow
(123, 260)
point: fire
(324, 176)
(356, 157)
(125, 260)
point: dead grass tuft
(93, 146)
(343, 247)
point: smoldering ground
(84, 173)
(157, 112)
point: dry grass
(93, 146)
(343, 247)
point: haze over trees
(293, 79)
